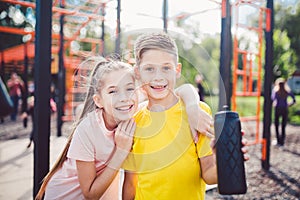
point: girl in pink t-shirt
(101, 139)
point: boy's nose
(158, 75)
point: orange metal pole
(259, 74)
(264, 149)
(17, 31)
(245, 73)
(250, 83)
(234, 74)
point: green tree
(288, 19)
(284, 55)
(200, 58)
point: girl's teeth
(124, 108)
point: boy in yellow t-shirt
(165, 162)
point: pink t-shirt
(91, 142)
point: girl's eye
(112, 91)
(130, 89)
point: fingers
(195, 135)
(210, 132)
(246, 157)
(124, 135)
(131, 127)
(213, 143)
(245, 151)
(205, 129)
(242, 132)
(244, 148)
(127, 127)
(207, 119)
(244, 142)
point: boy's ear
(137, 72)
(178, 70)
(97, 100)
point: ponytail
(88, 107)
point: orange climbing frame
(247, 64)
(75, 19)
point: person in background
(200, 88)
(280, 94)
(5, 102)
(30, 110)
(15, 86)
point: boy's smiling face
(157, 73)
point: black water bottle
(230, 159)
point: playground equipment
(69, 20)
(73, 20)
(247, 63)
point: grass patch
(247, 106)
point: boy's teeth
(158, 87)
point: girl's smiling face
(117, 97)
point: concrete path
(16, 166)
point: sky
(138, 14)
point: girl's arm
(92, 185)
(199, 120)
(293, 99)
(130, 181)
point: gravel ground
(281, 181)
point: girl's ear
(97, 100)
(137, 72)
(178, 70)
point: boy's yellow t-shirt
(165, 157)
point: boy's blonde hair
(158, 41)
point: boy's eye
(167, 68)
(149, 69)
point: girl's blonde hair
(280, 84)
(157, 41)
(100, 67)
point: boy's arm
(199, 120)
(129, 184)
(209, 169)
